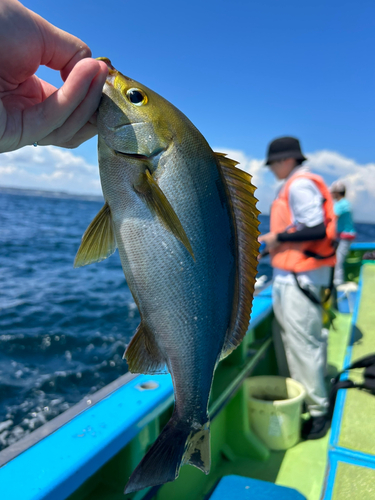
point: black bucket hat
(284, 147)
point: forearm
(305, 234)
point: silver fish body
(185, 304)
(171, 207)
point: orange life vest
(308, 255)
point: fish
(185, 223)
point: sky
(244, 72)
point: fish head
(133, 119)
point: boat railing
(122, 419)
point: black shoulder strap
(311, 296)
(317, 256)
(365, 362)
(342, 384)
(307, 292)
(368, 362)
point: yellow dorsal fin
(245, 214)
(148, 188)
(98, 241)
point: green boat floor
(352, 480)
(357, 426)
(303, 466)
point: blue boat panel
(244, 488)
(341, 395)
(337, 454)
(343, 456)
(354, 457)
(362, 246)
(57, 465)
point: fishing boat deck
(93, 452)
(344, 460)
(303, 466)
(352, 443)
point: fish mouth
(138, 156)
(135, 156)
(120, 126)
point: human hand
(270, 240)
(32, 110)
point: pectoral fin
(98, 241)
(157, 201)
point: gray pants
(341, 253)
(301, 343)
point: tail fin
(178, 443)
(197, 449)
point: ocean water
(63, 331)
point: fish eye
(137, 97)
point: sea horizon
(46, 193)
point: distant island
(49, 194)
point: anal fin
(143, 354)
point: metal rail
(53, 425)
(236, 383)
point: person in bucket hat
(283, 148)
(300, 243)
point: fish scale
(169, 299)
(174, 209)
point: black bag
(368, 362)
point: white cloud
(49, 168)
(359, 179)
(56, 169)
(262, 178)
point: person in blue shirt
(345, 228)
